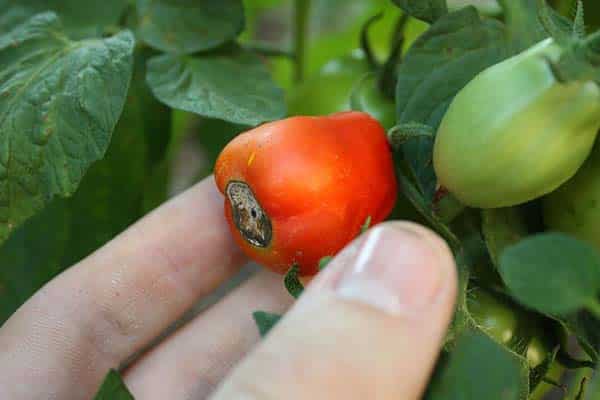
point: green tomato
(575, 206)
(493, 315)
(510, 326)
(368, 97)
(514, 133)
(329, 90)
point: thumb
(369, 327)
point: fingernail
(397, 269)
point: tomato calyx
(292, 282)
(248, 216)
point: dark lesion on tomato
(249, 217)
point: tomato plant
(274, 218)
(319, 119)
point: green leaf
(204, 85)
(113, 388)
(80, 18)
(479, 368)
(59, 103)
(108, 200)
(552, 273)
(427, 10)
(189, 26)
(32, 256)
(501, 228)
(265, 321)
(110, 196)
(292, 282)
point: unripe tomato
(299, 189)
(514, 133)
(574, 207)
(492, 315)
(512, 327)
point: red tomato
(300, 188)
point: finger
(370, 327)
(110, 305)
(193, 361)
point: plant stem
(301, 14)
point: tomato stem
(365, 44)
(301, 14)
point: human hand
(369, 326)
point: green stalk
(301, 14)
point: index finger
(114, 302)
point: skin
(114, 303)
(331, 174)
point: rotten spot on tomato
(248, 216)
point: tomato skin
(573, 207)
(317, 179)
(510, 326)
(492, 315)
(514, 133)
